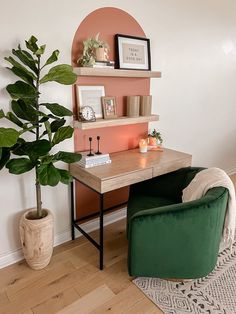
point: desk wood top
(129, 167)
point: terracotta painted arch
(108, 21)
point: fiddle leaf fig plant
(37, 127)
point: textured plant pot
(37, 239)
(101, 54)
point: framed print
(109, 107)
(133, 52)
(91, 96)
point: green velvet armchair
(171, 239)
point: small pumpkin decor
(38, 127)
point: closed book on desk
(92, 161)
(94, 157)
(97, 163)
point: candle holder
(143, 146)
(98, 152)
(90, 147)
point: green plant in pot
(155, 138)
(30, 144)
(94, 50)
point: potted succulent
(94, 50)
(30, 144)
(154, 138)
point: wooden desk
(126, 168)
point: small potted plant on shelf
(94, 50)
(38, 127)
(154, 138)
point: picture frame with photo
(109, 107)
(132, 52)
(91, 96)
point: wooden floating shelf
(104, 123)
(86, 71)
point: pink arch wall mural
(108, 22)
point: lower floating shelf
(104, 123)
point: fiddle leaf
(61, 73)
(8, 137)
(52, 58)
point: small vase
(101, 54)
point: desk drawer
(125, 180)
(169, 167)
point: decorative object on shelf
(94, 50)
(133, 52)
(133, 104)
(87, 114)
(90, 147)
(104, 64)
(145, 105)
(31, 143)
(91, 96)
(98, 151)
(95, 160)
(143, 146)
(109, 107)
(155, 138)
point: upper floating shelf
(104, 123)
(85, 71)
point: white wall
(193, 44)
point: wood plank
(17, 273)
(122, 301)
(114, 276)
(144, 305)
(57, 302)
(20, 289)
(33, 296)
(104, 123)
(3, 299)
(89, 302)
(86, 71)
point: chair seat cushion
(142, 202)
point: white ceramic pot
(37, 239)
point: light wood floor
(72, 283)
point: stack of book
(93, 161)
(104, 64)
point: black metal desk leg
(72, 208)
(101, 231)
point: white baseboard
(17, 255)
(10, 258)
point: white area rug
(215, 293)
